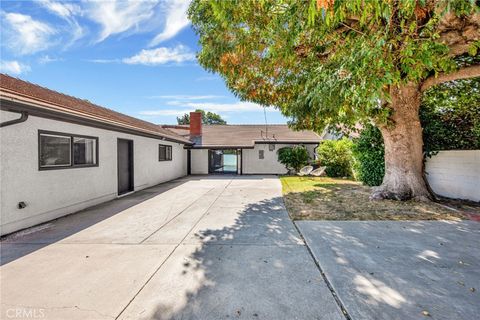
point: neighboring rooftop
(67, 104)
(246, 135)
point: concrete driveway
(400, 269)
(194, 248)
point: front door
(125, 166)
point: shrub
(450, 116)
(337, 157)
(369, 152)
(293, 158)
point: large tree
(337, 62)
(207, 118)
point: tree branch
(463, 73)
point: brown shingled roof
(246, 135)
(78, 106)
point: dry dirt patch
(323, 198)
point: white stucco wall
(455, 174)
(53, 193)
(199, 161)
(269, 165)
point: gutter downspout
(23, 118)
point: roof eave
(40, 104)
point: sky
(135, 57)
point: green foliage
(324, 63)
(185, 119)
(293, 158)
(450, 116)
(336, 155)
(368, 150)
(207, 118)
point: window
(61, 150)
(55, 151)
(271, 147)
(84, 151)
(261, 154)
(164, 153)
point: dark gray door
(125, 165)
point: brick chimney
(195, 123)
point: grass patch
(322, 198)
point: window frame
(71, 136)
(167, 147)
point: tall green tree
(336, 62)
(207, 118)
(450, 117)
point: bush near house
(293, 158)
(337, 157)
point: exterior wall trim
(249, 147)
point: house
(60, 154)
(240, 149)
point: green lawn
(323, 198)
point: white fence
(455, 174)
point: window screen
(261, 154)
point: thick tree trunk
(403, 140)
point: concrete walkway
(195, 248)
(400, 269)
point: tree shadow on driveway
(251, 264)
(400, 269)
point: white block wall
(50, 194)
(455, 174)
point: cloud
(119, 16)
(47, 59)
(63, 10)
(25, 35)
(207, 106)
(186, 97)
(104, 60)
(240, 106)
(162, 55)
(67, 12)
(13, 67)
(176, 20)
(164, 112)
